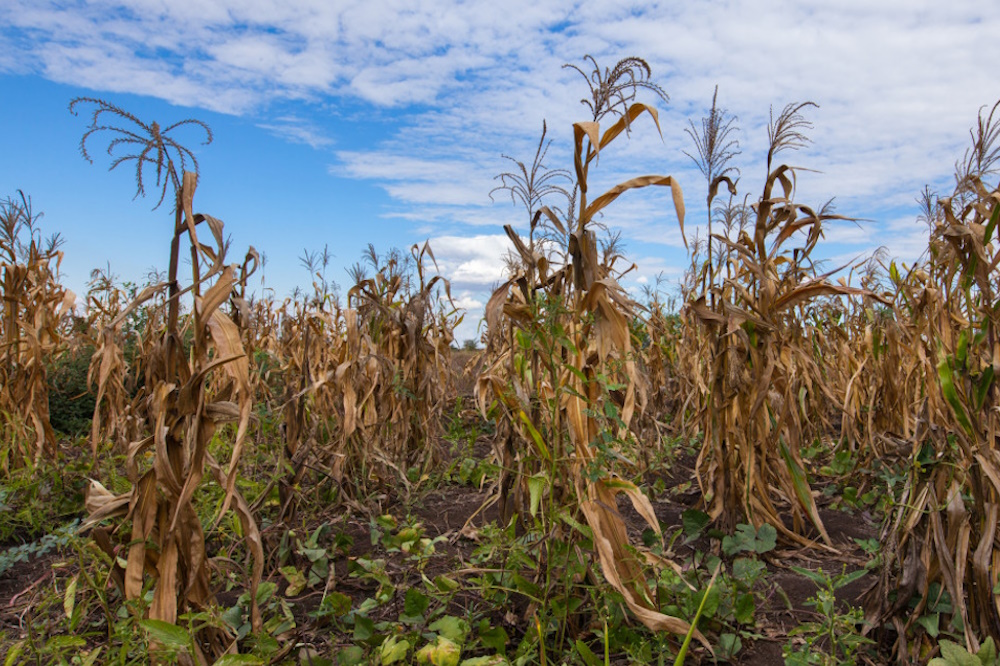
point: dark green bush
(71, 401)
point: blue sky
(384, 122)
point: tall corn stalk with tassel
(759, 367)
(182, 405)
(561, 376)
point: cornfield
(304, 481)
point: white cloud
(467, 302)
(473, 264)
(298, 130)
(898, 84)
(905, 238)
(418, 179)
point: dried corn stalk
(34, 304)
(761, 369)
(182, 412)
(114, 371)
(942, 539)
(365, 385)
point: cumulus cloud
(472, 263)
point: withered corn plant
(759, 366)
(365, 383)
(561, 379)
(409, 335)
(263, 337)
(941, 549)
(308, 338)
(116, 364)
(34, 304)
(182, 404)
(662, 331)
(877, 371)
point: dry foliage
(365, 384)
(182, 411)
(34, 304)
(944, 534)
(754, 368)
(768, 354)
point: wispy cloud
(298, 130)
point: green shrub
(71, 400)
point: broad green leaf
(387, 521)
(742, 540)
(364, 628)
(729, 645)
(962, 352)
(694, 522)
(953, 654)
(987, 652)
(587, 654)
(416, 602)
(802, 490)
(168, 635)
(931, 623)
(14, 653)
(313, 554)
(494, 638)
(815, 576)
(336, 603)
(91, 659)
(583, 529)
(983, 387)
(296, 580)
(265, 591)
(748, 570)
(708, 601)
(992, 225)
(233, 617)
(849, 578)
(351, 656)
(445, 584)
(945, 378)
(453, 628)
(744, 608)
(767, 538)
(536, 436)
